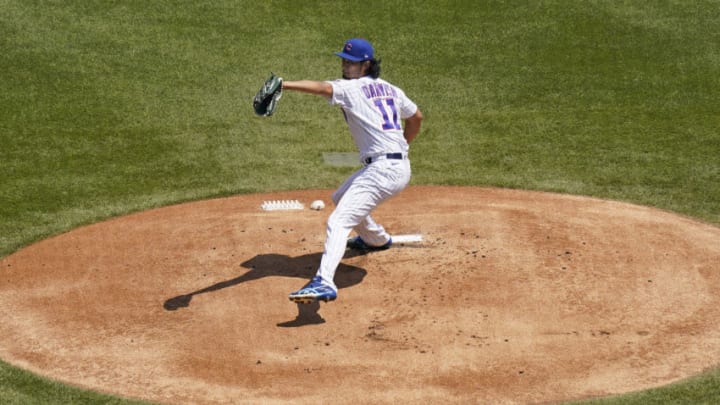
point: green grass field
(111, 107)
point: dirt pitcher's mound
(512, 297)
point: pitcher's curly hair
(374, 68)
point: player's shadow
(276, 265)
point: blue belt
(397, 156)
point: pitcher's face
(354, 70)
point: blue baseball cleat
(315, 290)
(357, 243)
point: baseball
(317, 205)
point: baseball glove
(266, 99)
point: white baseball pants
(355, 200)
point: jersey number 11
(387, 124)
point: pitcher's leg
(371, 232)
(390, 179)
(340, 192)
(355, 200)
(353, 207)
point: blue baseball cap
(356, 50)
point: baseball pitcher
(382, 121)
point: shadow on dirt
(276, 265)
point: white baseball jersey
(373, 109)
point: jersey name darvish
(373, 109)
